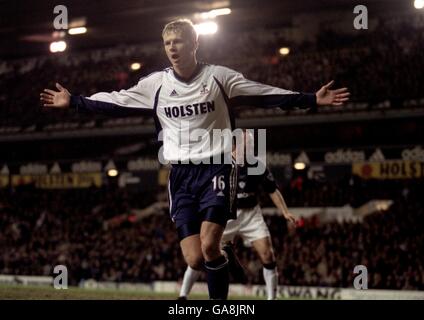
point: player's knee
(210, 249)
(267, 256)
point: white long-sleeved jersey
(188, 112)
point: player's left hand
(290, 217)
(327, 96)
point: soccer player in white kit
(194, 97)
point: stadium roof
(26, 26)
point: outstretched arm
(279, 202)
(241, 91)
(137, 99)
(63, 99)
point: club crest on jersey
(242, 184)
(204, 89)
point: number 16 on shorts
(219, 184)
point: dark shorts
(204, 192)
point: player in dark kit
(200, 194)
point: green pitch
(19, 292)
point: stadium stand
(390, 242)
(394, 56)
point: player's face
(179, 48)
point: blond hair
(185, 26)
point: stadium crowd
(40, 229)
(386, 71)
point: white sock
(271, 282)
(190, 277)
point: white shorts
(249, 225)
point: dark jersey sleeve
(268, 181)
(83, 104)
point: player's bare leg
(216, 264)
(210, 239)
(264, 250)
(265, 253)
(190, 246)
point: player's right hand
(290, 217)
(56, 99)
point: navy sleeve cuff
(73, 104)
(86, 105)
(310, 100)
(283, 101)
